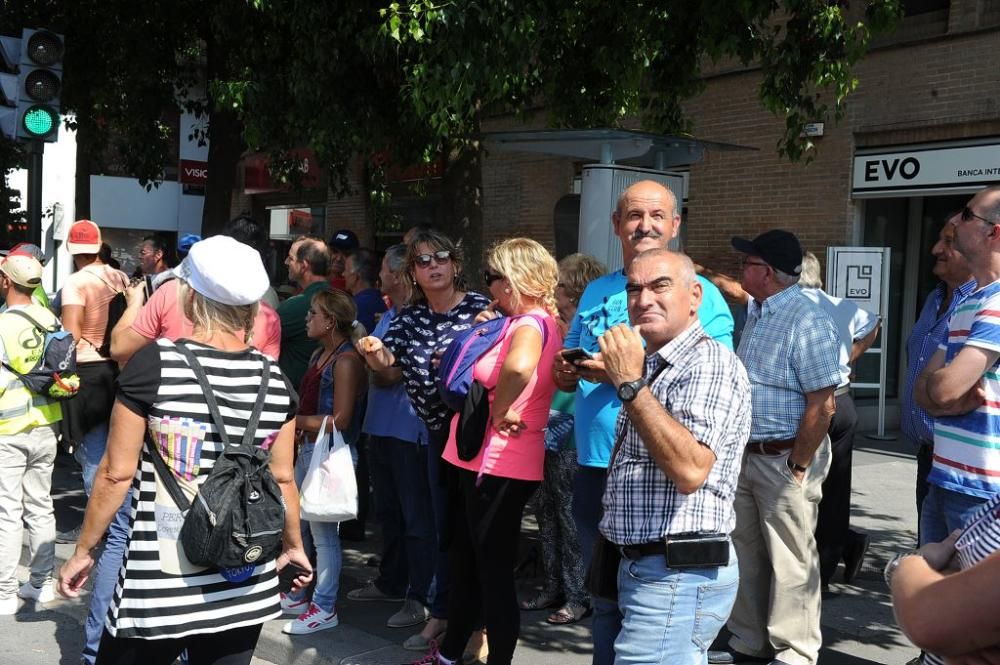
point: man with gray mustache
(646, 217)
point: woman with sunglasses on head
(332, 388)
(439, 310)
(489, 492)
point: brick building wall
(941, 88)
(936, 79)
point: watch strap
(794, 466)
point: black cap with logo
(779, 249)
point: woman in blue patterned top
(439, 310)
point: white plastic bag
(330, 490)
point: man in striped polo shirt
(960, 386)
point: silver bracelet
(890, 568)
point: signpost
(861, 275)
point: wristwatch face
(628, 391)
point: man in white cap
(38, 296)
(28, 434)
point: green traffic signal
(39, 121)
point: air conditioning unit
(602, 184)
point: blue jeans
(670, 615)
(403, 504)
(105, 579)
(588, 490)
(94, 443)
(944, 511)
(326, 537)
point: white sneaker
(43, 594)
(9, 606)
(294, 607)
(312, 620)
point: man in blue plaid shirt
(791, 353)
(682, 429)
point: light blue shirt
(853, 324)
(789, 348)
(390, 412)
(604, 305)
(929, 332)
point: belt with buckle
(770, 447)
(843, 390)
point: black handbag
(473, 421)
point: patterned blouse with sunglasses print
(415, 335)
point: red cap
(84, 238)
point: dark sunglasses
(440, 257)
(489, 277)
(967, 214)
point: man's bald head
(646, 218)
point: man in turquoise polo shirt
(646, 217)
(308, 262)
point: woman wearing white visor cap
(164, 603)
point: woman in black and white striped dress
(946, 595)
(163, 604)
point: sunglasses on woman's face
(489, 277)
(440, 257)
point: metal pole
(35, 150)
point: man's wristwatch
(890, 568)
(627, 391)
(796, 467)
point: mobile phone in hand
(576, 354)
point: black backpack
(116, 308)
(238, 516)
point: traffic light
(31, 90)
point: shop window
(916, 7)
(989, 13)
(921, 19)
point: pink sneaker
(432, 657)
(312, 620)
(291, 606)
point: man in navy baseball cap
(341, 244)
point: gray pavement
(858, 625)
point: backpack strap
(32, 320)
(107, 283)
(166, 475)
(213, 406)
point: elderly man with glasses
(959, 386)
(791, 353)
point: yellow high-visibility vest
(23, 343)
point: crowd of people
(687, 474)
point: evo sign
(920, 170)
